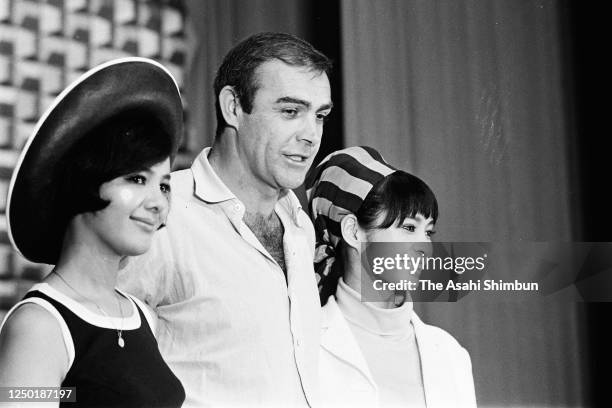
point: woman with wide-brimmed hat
(375, 350)
(91, 187)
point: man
(231, 276)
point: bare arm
(32, 349)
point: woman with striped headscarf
(375, 351)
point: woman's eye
(165, 188)
(137, 179)
(409, 228)
(430, 233)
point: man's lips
(297, 158)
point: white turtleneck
(387, 341)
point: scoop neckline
(107, 322)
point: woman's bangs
(405, 196)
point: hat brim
(100, 93)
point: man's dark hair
(239, 65)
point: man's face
(279, 139)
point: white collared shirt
(230, 327)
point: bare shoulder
(32, 349)
(30, 324)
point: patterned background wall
(44, 46)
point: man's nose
(311, 131)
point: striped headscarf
(337, 187)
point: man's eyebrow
(306, 104)
(326, 106)
(290, 99)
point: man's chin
(293, 182)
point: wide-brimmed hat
(99, 94)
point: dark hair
(239, 65)
(398, 196)
(130, 141)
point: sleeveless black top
(106, 375)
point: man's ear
(230, 105)
(351, 232)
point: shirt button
(237, 207)
(297, 342)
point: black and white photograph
(304, 203)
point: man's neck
(256, 197)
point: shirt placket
(294, 284)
